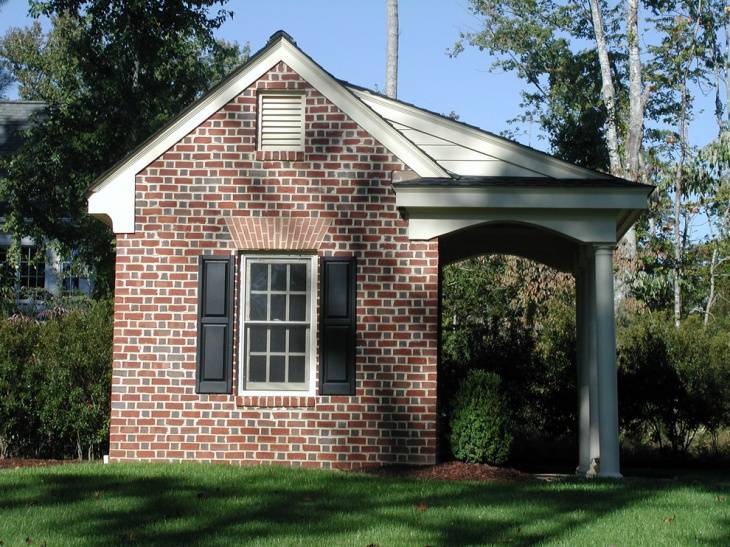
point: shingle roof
(15, 117)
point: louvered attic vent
(281, 121)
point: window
(32, 273)
(277, 328)
(7, 272)
(70, 281)
(281, 121)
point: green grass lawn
(184, 504)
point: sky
(348, 38)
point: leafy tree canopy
(535, 39)
(112, 72)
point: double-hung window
(277, 326)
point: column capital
(603, 248)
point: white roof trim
(469, 137)
(112, 197)
(582, 213)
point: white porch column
(582, 348)
(588, 440)
(605, 323)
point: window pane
(277, 372)
(298, 277)
(258, 307)
(278, 307)
(278, 277)
(278, 339)
(297, 307)
(296, 369)
(259, 276)
(257, 339)
(257, 369)
(297, 339)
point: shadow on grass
(172, 505)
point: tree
(112, 72)
(5, 78)
(535, 40)
(391, 65)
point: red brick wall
(183, 200)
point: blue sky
(348, 39)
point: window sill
(275, 401)
(280, 155)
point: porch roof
(586, 210)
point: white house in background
(53, 276)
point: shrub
(480, 423)
(19, 381)
(55, 376)
(673, 382)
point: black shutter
(215, 325)
(337, 325)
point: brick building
(279, 245)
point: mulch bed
(17, 463)
(448, 471)
(451, 471)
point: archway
(571, 225)
(507, 305)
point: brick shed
(279, 245)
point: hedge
(55, 377)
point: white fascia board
(473, 138)
(505, 197)
(113, 196)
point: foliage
(55, 375)
(563, 86)
(672, 382)
(112, 73)
(20, 427)
(480, 423)
(516, 319)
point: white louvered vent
(281, 121)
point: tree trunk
(608, 92)
(636, 118)
(711, 296)
(678, 192)
(636, 95)
(391, 65)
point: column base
(610, 476)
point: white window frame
(311, 352)
(260, 123)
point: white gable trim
(409, 117)
(112, 198)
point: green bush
(55, 377)
(673, 382)
(20, 380)
(480, 422)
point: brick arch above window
(277, 233)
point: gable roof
(111, 197)
(433, 146)
(16, 117)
